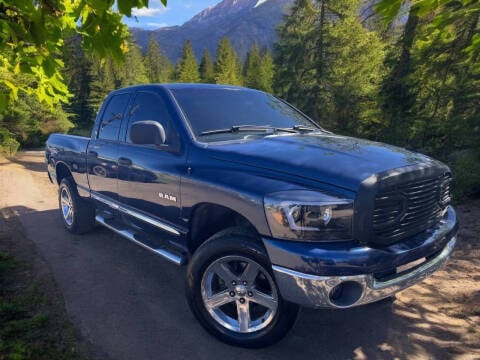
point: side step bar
(170, 256)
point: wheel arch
(62, 171)
(208, 219)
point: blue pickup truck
(268, 210)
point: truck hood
(331, 159)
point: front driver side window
(151, 107)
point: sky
(175, 13)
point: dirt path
(131, 304)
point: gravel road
(131, 305)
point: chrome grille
(409, 208)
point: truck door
(149, 175)
(102, 152)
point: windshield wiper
(300, 128)
(239, 128)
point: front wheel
(232, 292)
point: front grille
(407, 209)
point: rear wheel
(78, 215)
(232, 291)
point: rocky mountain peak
(243, 21)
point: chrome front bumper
(348, 291)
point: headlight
(309, 215)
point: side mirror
(147, 132)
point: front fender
(239, 189)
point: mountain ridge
(242, 21)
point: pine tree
(431, 97)
(267, 72)
(258, 69)
(331, 66)
(107, 74)
(397, 93)
(77, 77)
(103, 80)
(227, 67)
(251, 68)
(158, 66)
(353, 71)
(132, 71)
(295, 56)
(187, 67)
(206, 68)
(445, 82)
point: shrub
(8, 144)
(465, 165)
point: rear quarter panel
(69, 150)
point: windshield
(211, 109)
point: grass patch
(28, 328)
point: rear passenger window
(112, 117)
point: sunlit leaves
(31, 41)
(440, 13)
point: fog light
(346, 293)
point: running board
(170, 256)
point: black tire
(81, 219)
(232, 248)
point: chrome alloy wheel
(67, 206)
(239, 294)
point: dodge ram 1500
(268, 210)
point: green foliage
(8, 144)
(465, 165)
(107, 75)
(206, 68)
(78, 79)
(353, 75)
(258, 69)
(397, 94)
(331, 66)
(442, 14)
(32, 40)
(251, 68)
(187, 67)
(295, 56)
(267, 72)
(158, 66)
(30, 121)
(432, 96)
(132, 71)
(104, 78)
(227, 66)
